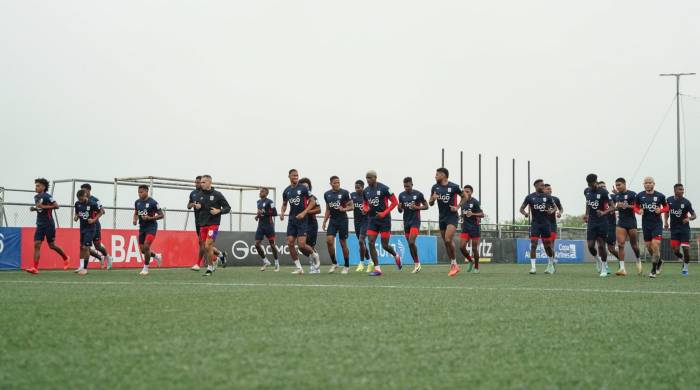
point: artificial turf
(243, 328)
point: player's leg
(463, 241)
(372, 237)
(273, 249)
(448, 238)
(534, 240)
(51, 240)
(343, 234)
(364, 252)
(475, 253)
(330, 244)
(200, 253)
(603, 253)
(621, 239)
(291, 244)
(145, 251)
(685, 246)
(84, 259)
(386, 236)
(412, 237)
(633, 236)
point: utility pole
(678, 116)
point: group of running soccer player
(610, 217)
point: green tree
(573, 221)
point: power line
(658, 129)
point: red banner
(177, 248)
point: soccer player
(100, 252)
(361, 220)
(681, 212)
(541, 207)
(147, 212)
(299, 200)
(651, 204)
(553, 217)
(88, 212)
(445, 193)
(596, 217)
(411, 202)
(626, 224)
(611, 237)
(471, 228)
(191, 203)
(44, 204)
(378, 203)
(266, 228)
(338, 203)
(312, 229)
(211, 205)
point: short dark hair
(407, 179)
(199, 177)
(206, 177)
(359, 183)
(677, 185)
(537, 182)
(265, 189)
(305, 180)
(591, 178)
(334, 177)
(81, 193)
(547, 185)
(43, 182)
(469, 187)
(143, 187)
(292, 170)
(86, 186)
(621, 180)
(443, 170)
(601, 182)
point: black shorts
(449, 219)
(378, 225)
(596, 231)
(470, 231)
(654, 232)
(147, 234)
(611, 238)
(682, 235)
(297, 227)
(627, 224)
(361, 227)
(339, 228)
(541, 230)
(87, 236)
(312, 234)
(46, 231)
(265, 231)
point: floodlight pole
(678, 116)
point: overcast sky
(245, 90)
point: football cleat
(360, 267)
(454, 270)
(82, 272)
(533, 270)
(375, 273)
(143, 272)
(333, 268)
(416, 268)
(397, 259)
(195, 268)
(345, 271)
(32, 270)
(621, 272)
(298, 271)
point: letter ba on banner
(177, 248)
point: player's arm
(393, 202)
(325, 217)
(525, 205)
(423, 204)
(224, 207)
(136, 216)
(190, 203)
(159, 214)
(400, 208)
(664, 207)
(51, 206)
(691, 215)
(75, 213)
(309, 207)
(349, 205)
(666, 217)
(433, 197)
(284, 210)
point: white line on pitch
(405, 287)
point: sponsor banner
(177, 248)
(566, 251)
(10, 248)
(489, 250)
(242, 251)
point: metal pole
(114, 211)
(72, 210)
(443, 158)
(513, 220)
(240, 211)
(461, 169)
(498, 228)
(529, 218)
(480, 200)
(678, 117)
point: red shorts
(552, 236)
(413, 231)
(208, 232)
(466, 236)
(675, 243)
(374, 233)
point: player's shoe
(598, 264)
(208, 273)
(143, 272)
(652, 275)
(607, 269)
(32, 270)
(397, 259)
(333, 268)
(157, 258)
(315, 270)
(533, 270)
(684, 272)
(345, 271)
(621, 272)
(110, 260)
(65, 264)
(195, 268)
(639, 268)
(603, 273)
(222, 259)
(82, 272)
(298, 271)
(454, 270)
(277, 266)
(317, 260)
(476, 271)
(470, 266)
(416, 268)
(360, 267)
(78, 270)
(375, 273)
(658, 267)
(549, 270)
(266, 263)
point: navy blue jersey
(408, 199)
(194, 196)
(447, 196)
(597, 199)
(377, 197)
(611, 216)
(358, 201)
(557, 202)
(85, 211)
(625, 198)
(266, 212)
(297, 197)
(539, 203)
(474, 206)
(335, 200)
(43, 217)
(311, 219)
(650, 203)
(147, 207)
(678, 210)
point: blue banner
(566, 251)
(10, 248)
(427, 250)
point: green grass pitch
(243, 328)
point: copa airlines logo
(2, 242)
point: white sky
(245, 90)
